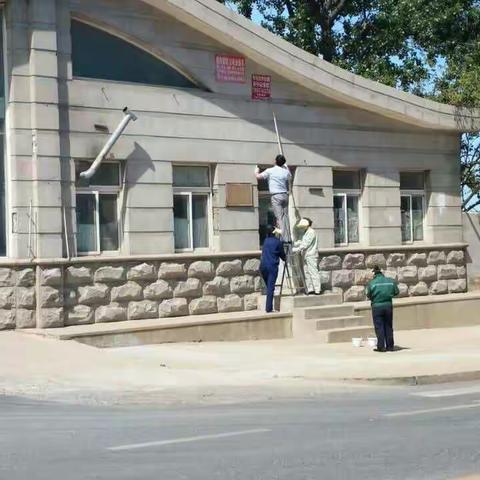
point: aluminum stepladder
(292, 270)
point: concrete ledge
(442, 311)
(201, 328)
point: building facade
(172, 221)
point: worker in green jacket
(380, 291)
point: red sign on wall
(261, 87)
(230, 68)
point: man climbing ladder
(278, 178)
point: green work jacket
(381, 290)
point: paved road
(385, 433)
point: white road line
(173, 441)
(433, 410)
(454, 392)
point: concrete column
(443, 221)
(147, 205)
(313, 197)
(235, 229)
(380, 222)
(33, 129)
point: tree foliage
(427, 47)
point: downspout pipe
(129, 116)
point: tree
(427, 47)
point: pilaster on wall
(235, 228)
(33, 129)
(381, 219)
(312, 194)
(443, 221)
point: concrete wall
(51, 118)
(471, 236)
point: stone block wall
(17, 297)
(110, 291)
(63, 293)
(419, 272)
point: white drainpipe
(111, 142)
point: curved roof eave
(314, 73)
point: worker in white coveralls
(308, 246)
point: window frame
(96, 191)
(190, 192)
(345, 193)
(410, 193)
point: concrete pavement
(225, 372)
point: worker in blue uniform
(272, 252)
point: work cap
(303, 223)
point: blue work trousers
(269, 274)
(383, 323)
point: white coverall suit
(309, 248)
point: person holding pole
(278, 178)
(308, 247)
(272, 252)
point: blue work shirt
(272, 251)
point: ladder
(292, 272)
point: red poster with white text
(230, 68)
(261, 87)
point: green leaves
(427, 47)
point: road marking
(173, 441)
(433, 410)
(454, 392)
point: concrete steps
(305, 301)
(336, 323)
(326, 318)
(326, 311)
(342, 335)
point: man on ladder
(278, 178)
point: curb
(410, 380)
(415, 380)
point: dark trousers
(269, 275)
(383, 323)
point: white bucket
(357, 341)
(372, 342)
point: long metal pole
(279, 140)
(30, 220)
(111, 142)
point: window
(191, 200)
(412, 201)
(98, 54)
(346, 195)
(97, 209)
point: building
(170, 222)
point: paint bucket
(372, 342)
(357, 341)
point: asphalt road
(386, 433)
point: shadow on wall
(137, 163)
(471, 235)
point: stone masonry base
(84, 291)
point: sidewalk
(66, 370)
